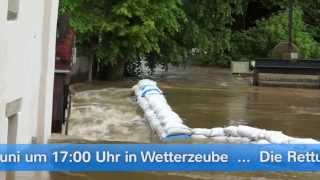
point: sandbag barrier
(169, 126)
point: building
(27, 61)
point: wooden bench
(281, 66)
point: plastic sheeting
(170, 127)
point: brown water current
(203, 97)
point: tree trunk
(90, 69)
(112, 72)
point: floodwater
(203, 97)
(214, 98)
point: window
(13, 8)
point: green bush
(261, 39)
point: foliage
(311, 13)
(124, 30)
(259, 41)
(208, 28)
(175, 31)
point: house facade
(27, 61)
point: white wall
(27, 47)
(49, 32)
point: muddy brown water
(203, 97)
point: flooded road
(107, 114)
(203, 97)
(207, 97)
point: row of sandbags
(166, 123)
(245, 134)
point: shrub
(261, 39)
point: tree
(122, 31)
(311, 11)
(258, 41)
(171, 31)
(208, 29)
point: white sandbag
(216, 132)
(140, 90)
(279, 139)
(221, 139)
(177, 131)
(276, 137)
(143, 103)
(162, 107)
(303, 141)
(150, 91)
(150, 115)
(201, 131)
(251, 132)
(176, 128)
(134, 88)
(231, 131)
(154, 124)
(156, 99)
(161, 133)
(158, 104)
(175, 125)
(272, 133)
(198, 137)
(145, 82)
(167, 120)
(137, 92)
(261, 141)
(167, 114)
(238, 140)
